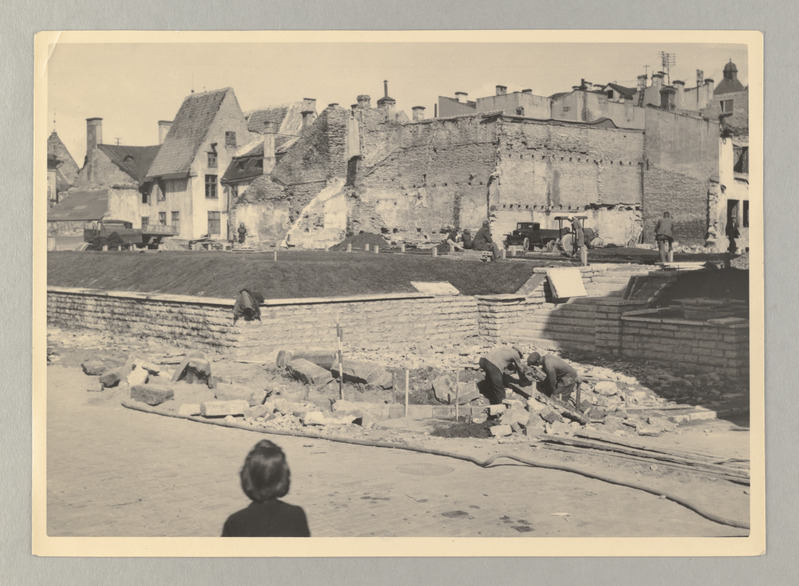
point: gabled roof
(274, 114)
(135, 161)
(80, 206)
(187, 133)
(248, 165)
(627, 92)
(57, 148)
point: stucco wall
(266, 221)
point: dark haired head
(534, 358)
(265, 474)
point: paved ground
(117, 472)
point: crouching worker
(265, 478)
(247, 306)
(560, 377)
(493, 364)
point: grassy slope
(295, 274)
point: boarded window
(214, 224)
(210, 187)
(176, 222)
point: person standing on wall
(664, 236)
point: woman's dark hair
(265, 474)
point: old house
(207, 131)
(111, 185)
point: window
(160, 194)
(176, 222)
(746, 214)
(212, 160)
(214, 223)
(162, 218)
(145, 197)
(145, 222)
(741, 155)
(210, 186)
(726, 106)
(230, 139)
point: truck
(530, 235)
(121, 234)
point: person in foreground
(494, 364)
(265, 477)
(561, 378)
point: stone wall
(693, 345)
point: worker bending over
(561, 378)
(493, 364)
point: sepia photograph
(476, 292)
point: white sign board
(566, 282)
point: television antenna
(668, 60)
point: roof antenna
(192, 83)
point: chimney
(385, 88)
(708, 90)
(667, 97)
(527, 91)
(461, 96)
(364, 101)
(418, 113)
(642, 82)
(502, 90)
(163, 130)
(307, 118)
(657, 80)
(94, 133)
(270, 130)
(679, 98)
(333, 105)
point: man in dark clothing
(468, 243)
(493, 364)
(664, 236)
(272, 518)
(483, 241)
(561, 378)
(247, 306)
(242, 233)
(732, 233)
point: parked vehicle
(530, 235)
(121, 234)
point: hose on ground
(482, 463)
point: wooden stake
(340, 361)
(275, 257)
(407, 384)
(457, 395)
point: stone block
(230, 392)
(137, 376)
(535, 425)
(94, 367)
(515, 415)
(320, 418)
(256, 398)
(111, 378)
(607, 388)
(365, 372)
(501, 430)
(189, 409)
(95, 386)
(480, 417)
(148, 366)
(536, 406)
(223, 408)
(367, 420)
(444, 390)
(193, 368)
(256, 412)
(495, 410)
(152, 394)
(550, 416)
(309, 373)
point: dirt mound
(359, 242)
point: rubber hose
(482, 463)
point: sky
(133, 85)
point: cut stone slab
(94, 367)
(152, 394)
(551, 416)
(444, 390)
(501, 430)
(189, 409)
(148, 366)
(95, 386)
(257, 411)
(607, 388)
(229, 392)
(496, 409)
(320, 418)
(137, 376)
(193, 368)
(367, 420)
(515, 415)
(111, 378)
(365, 372)
(223, 408)
(309, 373)
(256, 398)
(324, 358)
(536, 406)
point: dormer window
(726, 106)
(230, 139)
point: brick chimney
(364, 101)
(641, 82)
(657, 80)
(461, 96)
(502, 90)
(270, 131)
(667, 94)
(679, 98)
(708, 90)
(528, 92)
(418, 113)
(94, 136)
(163, 130)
